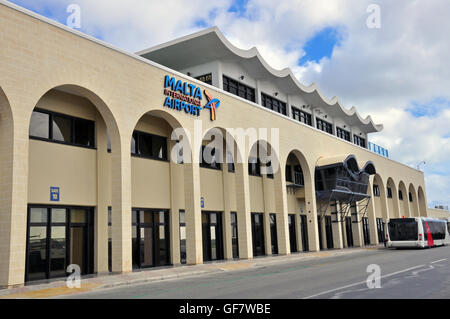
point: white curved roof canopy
(210, 45)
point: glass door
(329, 232)
(292, 233)
(56, 240)
(273, 233)
(258, 234)
(212, 236)
(304, 227)
(348, 231)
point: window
(234, 235)
(301, 116)
(389, 192)
(359, 141)
(182, 237)
(324, 126)
(110, 239)
(289, 173)
(210, 158)
(376, 190)
(230, 162)
(269, 170)
(400, 195)
(273, 104)
(149, 145)
(254, 166)
(60, 128)
(345, 135)
(410, 197)
(207, 78)
(239, 89)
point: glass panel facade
(39, 125)
(53, 242)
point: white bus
(418, 232)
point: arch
(99, 104)
(6, 181)
(393, 202)
(84, 190)
(422, 202)
(414, 204)
(380, 201)
(403, 200)
(300, 199)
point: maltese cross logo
(212, 104)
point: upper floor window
(410, 197)
(209, 158)
(389, 192)
(343, 134)
(301, 116)
(149, 145)
(273, 104)
(359, 141)
(400, 195)
(376, 190)
(61, 128)
(230, 162)
(254, 166)
(324, 126)
(289, 173)
(239, 89)
(207, 78)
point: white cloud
(380, 71)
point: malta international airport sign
(188, 97)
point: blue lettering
(192, 87)
(169, 82)
(179, 86)
(167, 102)
(198, 93)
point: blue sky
(399, 74)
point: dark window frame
(360, 141)
(237, 88)
(324, 126)
(273, 104)
(72, 119)
(138, 134)
(376, 190)
(301, 116)
(203, 164)
(205, 80)
(343, 134)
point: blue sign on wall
(202, 202)
(54, 194)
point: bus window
(403, 229)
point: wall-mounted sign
(54, 194)
(187, 97)
(202, 202)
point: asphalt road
(404, 274)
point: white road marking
(438, 261)
(362, 282)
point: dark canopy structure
(340, 178)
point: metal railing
(378, 149)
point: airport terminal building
(94, 172)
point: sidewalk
(58, 288)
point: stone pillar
(372, 215)
(227, 193)
(311, 211)
(243, 210)
(176, 204)
(194, 248)
(14, 193)
(103, 195)
(267, 212)
(121, 203)
(281, 210)
(337, 231)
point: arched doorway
(69, 182)
(413, 201)
(403, 197)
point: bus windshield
(403, 229)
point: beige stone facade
(50, 67)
